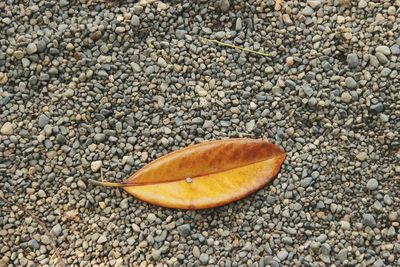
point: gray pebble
(307, 89)
(56, 230)
(184, 230)
(395, 49)
(203, 258)
(151, 217)
(136, 67)
(96, 35)
(161, 62)
(342, 255)
(135, 21)
(238, 25)
(224, 5)
(180, 34)
(282, 255)
(100, 137)
(102, 239)
(369, 220)
(387, 199)
(307, 11)
(33, 244)
(149, 70)
(156, 254)
(350, 83)
(383, 49)
(45, 239)
(306, 182)
(352, 60)
(382, 59)
(31, 48)
(43, 120)
(378, 107)
(325, 249)
(41, 46)
(372, 184)
(63, 3)
(315, 4)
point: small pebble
(96, 165)
(372, 184)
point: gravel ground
(116, 85)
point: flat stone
(7, 128)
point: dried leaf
(205, 175)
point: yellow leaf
(206, 175)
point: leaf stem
(108, 184)
(236, 47)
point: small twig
(236, 47)
(47, 232)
